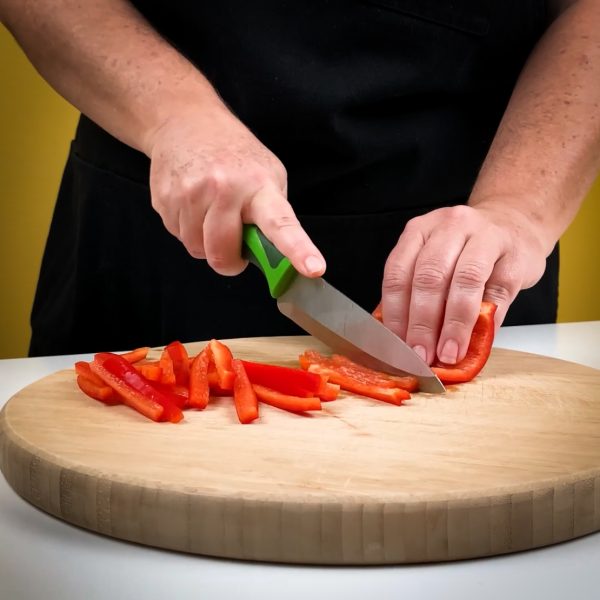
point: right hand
(209, 175)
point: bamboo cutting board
(507, 462)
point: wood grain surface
(507, 462)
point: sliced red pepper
(359, 373)
(102, 392)
(168, 370)
(136, 391)
(394, 395)
(222, 357)
(328, 391)
(406, 382)
(83, 368)
(478, 352)
(136, 355)
(244, 396)
(150, 370)
(199, 386)
(180, 359)
(284, 401)
(287, 380)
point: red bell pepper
(284, 401)
(135, 391)
(393, 395)
(221, 357)
(244, 396)
(287, 380)
(167, 368)
(101, 392)
(478, 352)
(150, 370)
(136, 355)
(180, 360)
(328, 391)
(348, 371)
(199, 386)
(406, 382)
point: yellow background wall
(36, 126)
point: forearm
(105, 59)
(546, 153)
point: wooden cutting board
(507, 462)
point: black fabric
(380, 110)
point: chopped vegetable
(180, 361)
(287, 380)
(222, 357)
(286, 402)
(135, 391)
(199, 386)
(244, 396)
(136, 355)
(101, 391)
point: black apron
(380, 110)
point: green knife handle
(276, 268)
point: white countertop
(45, 558)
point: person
(433, 152)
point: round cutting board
(507, 462)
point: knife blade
(330, 316)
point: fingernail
(314, 265)
(421, 352)
(449, 352)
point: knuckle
(501, 291)
(216, 184)
(457, 214)
(396, 279)
(471, 276)
(430, 276)
(420, 330)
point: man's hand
(543, 160)
(442, 266)
(209, 175)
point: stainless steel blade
(348, 329)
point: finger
(471, 272)
(272, 213)
(222, 238)
(432, 275)
(503, 286)
(191, 229)
(166, 211)
(397, 280)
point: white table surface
(45, 558)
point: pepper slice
(102, 392)
(347, 368)
(393, 395)
(222, 357)
(244, 396)
(285, 401)
(136, 355)
(135, 391)
(478, 352)
(287, 380)
(181, 362)
(199, 386)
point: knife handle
(275, 266)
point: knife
(332, 317)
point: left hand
(446, 262)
